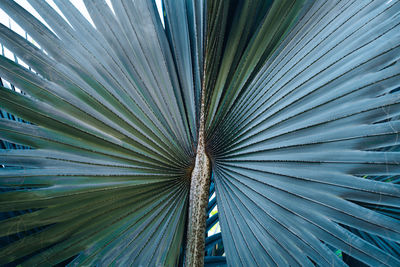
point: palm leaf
(111, 147)
(291, 149)
(301, 123)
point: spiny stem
(198, 198)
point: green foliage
(302, 129)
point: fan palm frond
(295, 105)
